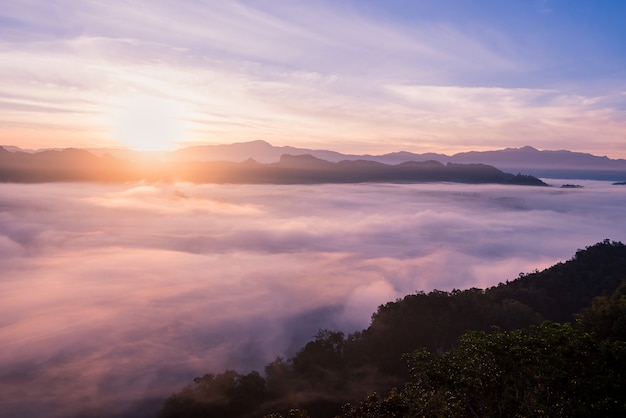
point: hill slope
(334, 369)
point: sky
(355, 76)
(113, 294)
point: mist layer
(113, 294)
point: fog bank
(117, 293)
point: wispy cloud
(320, 75)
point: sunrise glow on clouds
(350, 76)
(118, 293)
(114, 294)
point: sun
(149, 123)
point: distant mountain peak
(255, 143)
(302, 161)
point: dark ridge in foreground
(525, 367)
(72, 165)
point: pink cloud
(116, 293)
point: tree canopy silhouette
(539, 345)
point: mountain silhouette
(81, 165)
(561, 164)
(551, 164)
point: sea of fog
(113, 294)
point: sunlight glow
(149, 123)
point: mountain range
(528, 160)
(70, 165)
(559, 164)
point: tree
(227, 394)
(606, 317)
(548, 370)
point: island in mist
(258, 162)
(562, 164)
(81, 165)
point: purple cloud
(118, 293)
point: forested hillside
(548, 343)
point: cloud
(322, 75)
(117, 293)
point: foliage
(435, 320)
(227, 394)
(548, 370)
(322, 360)
(561, 291)
(293, 413)
(522, 369)
(606, 317)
